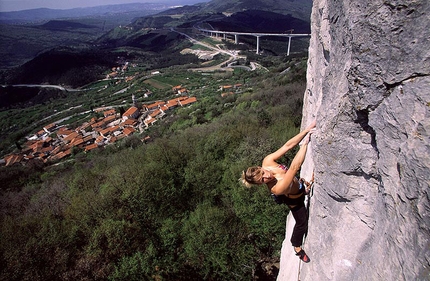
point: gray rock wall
(369, 89)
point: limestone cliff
(369, 89)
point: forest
(170, 209)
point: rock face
(369, 89)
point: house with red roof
(153, 106)
(70, 137)
(105, 132)
(64, 132)
(91, 147)
(188, 101)
(49, 128)
(129, 123)
(182, 91)
(176, 88)
(156, 114)
(150, 121)
(128, 131)
(13, 159)
(109, 112)
(109, 119)
(132, 112)
(40, 133)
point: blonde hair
(251, 176)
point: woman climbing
(284, 186)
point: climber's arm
(282, 186)
(270, 159)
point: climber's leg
(300, 214)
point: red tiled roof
(155, 113)
(98, 124)
(56, 150)
(71, 136)
(129, 122)
(154, 105)
(109, 112)
(47, 149)
(150, 121)
(188, 101)
(84, 126)
(116, 128)
(110, 118)
(77, 141)
(174, 101)
(37, 147)
(59, 155)
(30, 143)
(48, 127)
(13, 159)
(64, 132)
(131, 111)
(99, 139)
(128, 131)
(91, 147)
(88, 138)
(105, 131)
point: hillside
(260, 21)
(66, 66)
(162, 202)
(44, 14)
(21, 43)
(22, 31)
(64, 25)
(298, 9)
(172, 207)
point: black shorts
(282, 199)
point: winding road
(233, 54)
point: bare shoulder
(268, 161)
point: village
(55, 142)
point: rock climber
(284, 186)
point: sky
(17, 5)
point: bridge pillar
(225, 36)
(289, 44)
(236, 39)
(258, 44)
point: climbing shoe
(302, 255)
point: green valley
(163, 202)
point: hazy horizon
(19, 5)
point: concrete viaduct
(258, 35)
